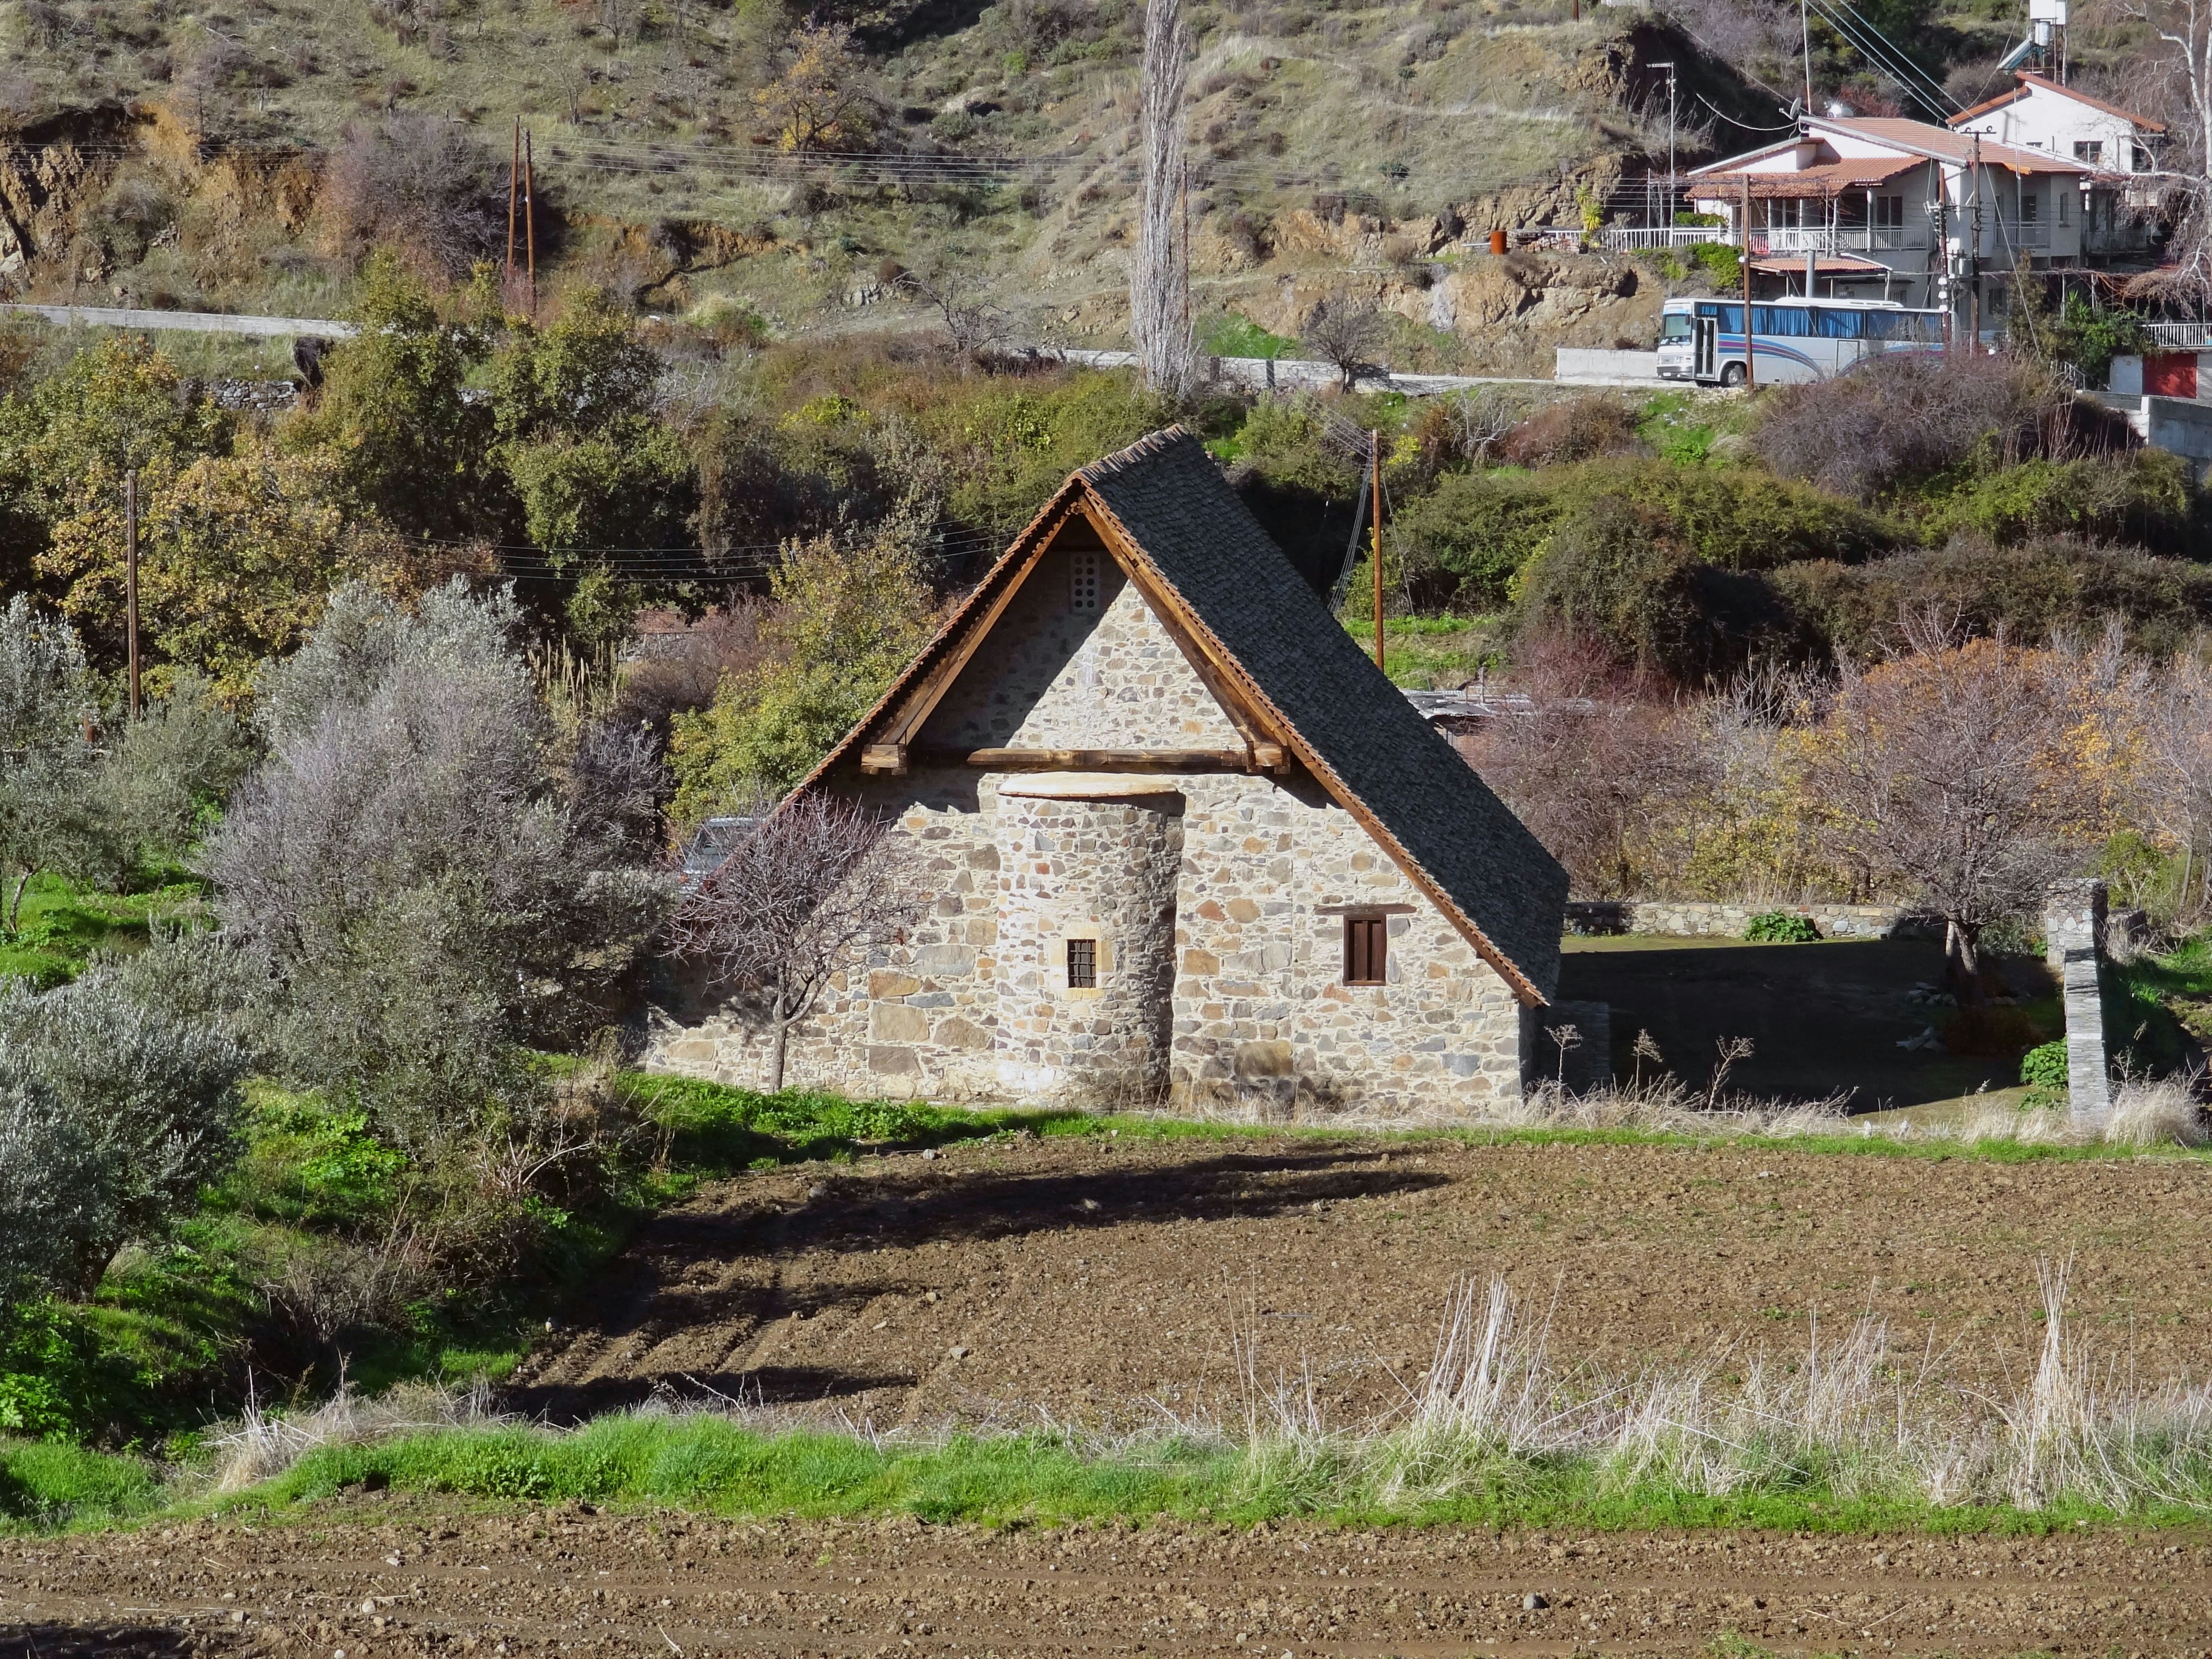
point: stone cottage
(1184, 841)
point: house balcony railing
(2034, 234)
(2179, 336)
(1627, 236)
(1842, 239)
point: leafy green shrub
(2146, 498)
(1721, 263)
(1739, 517)
(1781, 927)
(1479, 529)
(2043, 1068)
(1616, 574)
(2031, 591)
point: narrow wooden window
(1365, 950)
(1082, 964)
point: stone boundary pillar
(2073, 938)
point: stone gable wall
(1049, 677)
(1217, 902)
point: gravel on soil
(372, 1577)
(1099, 1280)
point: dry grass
(265, 1443)
(1854, 1417)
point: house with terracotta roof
(1883, 208)
(1184, 840)
(2121, 146)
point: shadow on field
(674, 1285)
(1822, 1018)
(52, 1640)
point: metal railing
(2035, 233)
(1626, 236)
(2179, 335)
(1846, 239)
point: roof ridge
(1152, 443)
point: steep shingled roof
(1163, 503)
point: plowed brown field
(375, 1578)
(1088, 1278)
(1084, 1277)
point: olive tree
(48, 759)
(427, 878)
(119, 1097)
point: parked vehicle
(1791, 340)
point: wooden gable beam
(887, 752)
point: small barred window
(1083, 582)
(1082, 964)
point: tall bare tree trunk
(778, 1013)
(1963, 959)
(1159, 283)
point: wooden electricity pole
(513, 180)
(530, 220)
(131, 579)
(1374, 501)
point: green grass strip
(717, 1466)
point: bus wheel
(1732, 375)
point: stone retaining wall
(1695, 918)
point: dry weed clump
(1853, 1418)
(265, 1443)
(2145, 1113)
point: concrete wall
(1218, 900)
(1575, 366)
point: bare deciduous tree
(1590, 763)
(1348, 336)
(971, 322)
(1159, 282)
(2184, 27)
(423, 183)
(1950, 770)
(818, 880)
(2176, 769)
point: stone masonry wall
(1698, 918)
(1218, 900)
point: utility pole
(513, 178)
(530, 220)
(1974, 253)
(1374, 499)
(131, 579)
(1669, 222)
(1805, 28)
(1750, 357)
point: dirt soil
(1101, 1279)
(374, 1577)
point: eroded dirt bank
(377, 1576)
(1100, 1279)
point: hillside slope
(240, 157)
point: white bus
(1702, 340)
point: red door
(2170, 374)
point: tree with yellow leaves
(825, 99)
(237, 557)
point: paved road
(194, 322)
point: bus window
(1730, 317)
(1674, 325)
(1842, 325)
(1781, 320)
